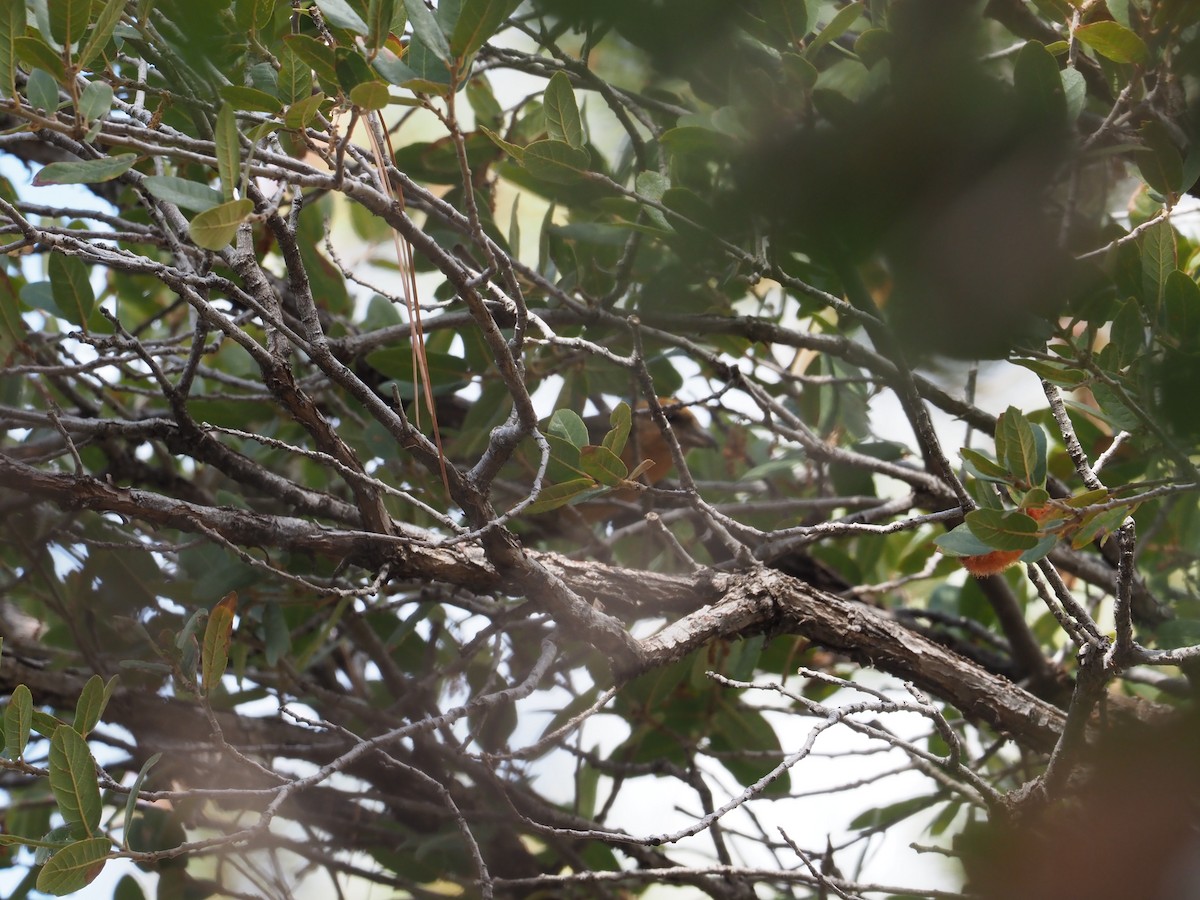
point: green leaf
(73, 867)
(1181, 308)
(229, 149)
(555, 161)
(131, 800)
(1002, 530)
(318, 56)
(1113, 41)
(566, 424)
(1158, 262)
(380, 15)
(72, 290)
(277, 637)
(102, 31)
(33, 53)
(92, 171)
(562, 115)
(984, 466)
(68, 19)
(603, 465)
(788, 17)
(517, 153)
(248, 98)
(218, 633)
(42, 91)
(1159, 160)
(425, 27)
(295, 77)
(18, 719)
(92, 702)
(556, 495)
(838, 25)
(95, 101)
(73, 780)
(961, 541)
(214, 228)
(183, 193)
(299, 114)
(477, 22)
(128, 889)
(1074, 90)
(1127, 333)
(340, 14)
(886, 816)
(370, 95)
(1023, 454)
(12, 26)
(1039, 86)
(620, 422)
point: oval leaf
(562, 115)
(214, 228)
(73, 779)
(1001, 530)
(18, 718)
(217, 635)
(478, 21)
(73, 294)
(91, 171)
(73, 867)
(555, 161)
(183, 193)
(1114, 41)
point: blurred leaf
(229, 151)
(95, 101)
(248, 98)
(217, 636)
(73, 294)
(1158, 262)
(1039, 87)
(555, 161)
(92, 171)
(214, 228)
(380, 15)
(370, 95)
(1160, 162)
(556, 495)
(101, 33)
(183, 193)
(317, 55)
(68, 19)
(477, 22)
(1114, 41)
(340, 14)
(134, 789)
(838, 25)
(12, 26)
(425, 26)
(295, 77)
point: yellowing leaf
(214, 228)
